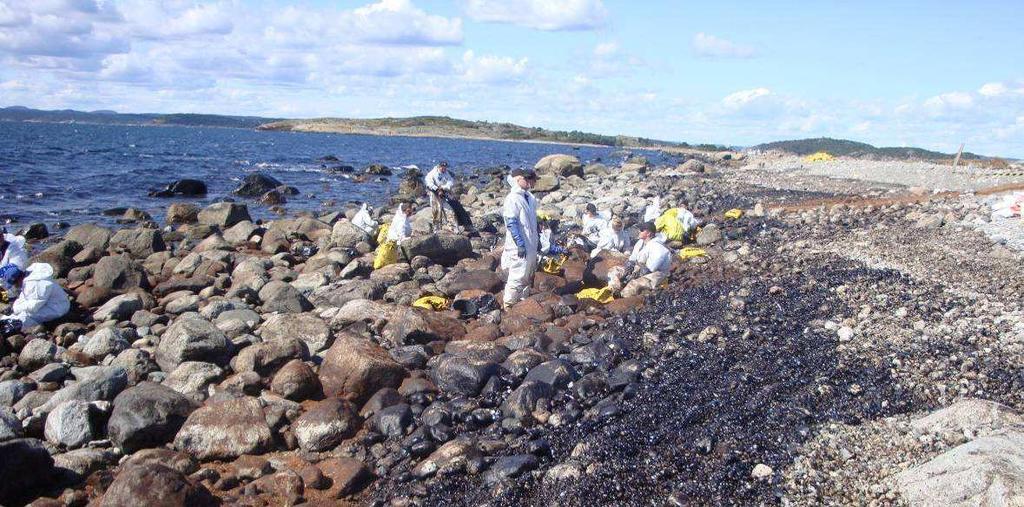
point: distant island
(443, 126)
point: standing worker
(438, 182)
(522, 239)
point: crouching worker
(522, 239)
(40, 300)
(12, 253)
(648, 265)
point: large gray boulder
(279, 296)
(72, 424)
(257, 184)
(147, 415)
(119, 307)
(444, 249)
(346, 235)
(305, 326)
(90, 236)
(224, 214)
(94, 383)
(140, 243)
(192, 338)
(559, 165)
(985, 471)
(225, 430)
(118, 273)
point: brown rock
(409, 326)
(624, 305)
(347, 475)
(483, 332)
(326, 424)
(225, 430)
(355, 368)
(154, 485)
(295, 381)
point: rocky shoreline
(225, 362)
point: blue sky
(931, 74)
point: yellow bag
(543, 215)
(382, 234)
(552, 265)
(387, 253)
(603, 295)
(668, 223)
(734, 214)
(821, 156)
(434, 303)
(691, 252)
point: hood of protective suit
(17, 241)
(39, 271)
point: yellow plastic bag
(603, 295)
(668, 223)
(382, 234)
(552, 265)
(434, 303)
(543, 215)
(691, 252)
(387, 253)
(821, 156)
(734, 213)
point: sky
(932, 73)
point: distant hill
(443, 126)
(19, 113)
(843, 147)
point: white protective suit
(592, 226)
(400, 228)
(41, 299)
(653, 210)
(16, 254)
(521, 206)
(611, 240)
(657, 258)
(363, 220)
(435, 180)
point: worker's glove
(521, 252)
(629, 267)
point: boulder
(156, 485)
(191, 338)
(546, 183)
(35, 231)
(10, 425)
(340, 294)
(26, 466)
(559, 165)
(140, 243)
(346, 235)
(118, 273)
(347, 476)
(182, 188)
(267, 357)
(970, 416)
(305, 326)
(193, 377)
(480, 279)
(182, 213)
(72, 424)
(295, 381)
(119, 307)
(224, 214)
(326, 424)
(240, 232)
(692, 165)
(225, 430)
(147, 415)
(104, 342)
(985, 471)
(521, 403)
(356, 368)
(60, 256)
(95, 383)
(76, 465)
(444, 249)
(451, 458)
(279, 296)
(90, 236)
(257, 184)
(36, 353)
(461, 375)
(407, 326)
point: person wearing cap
(401, 224)
(12, 253)
(522, 238)
(649, 263)
(593, 223)
(438, 182)
(41, 300)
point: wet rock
(521, 403)
(392, 421)
(182, 188)
(407, 326)
(507, 467)
(191, 338)
(462, 375)
(356, 368)
(305, 326)
(21, 456)
(72, 424)
(451, 458)
(225, 430)
(224, 214)
(147, 415)
(154, 484)
(326, 424)
(444, 249)
(295, 381)
(279, 296)
(256, 184)
(36, 231)
(557, 374)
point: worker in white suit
(522, 238)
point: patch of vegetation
(847, 148)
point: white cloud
(993, 89)
(709, 46)
(491, 69)
(744, 98)
(551, 15)
(606, 49)
(948, 103)
(400, 22)
(60, 34)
